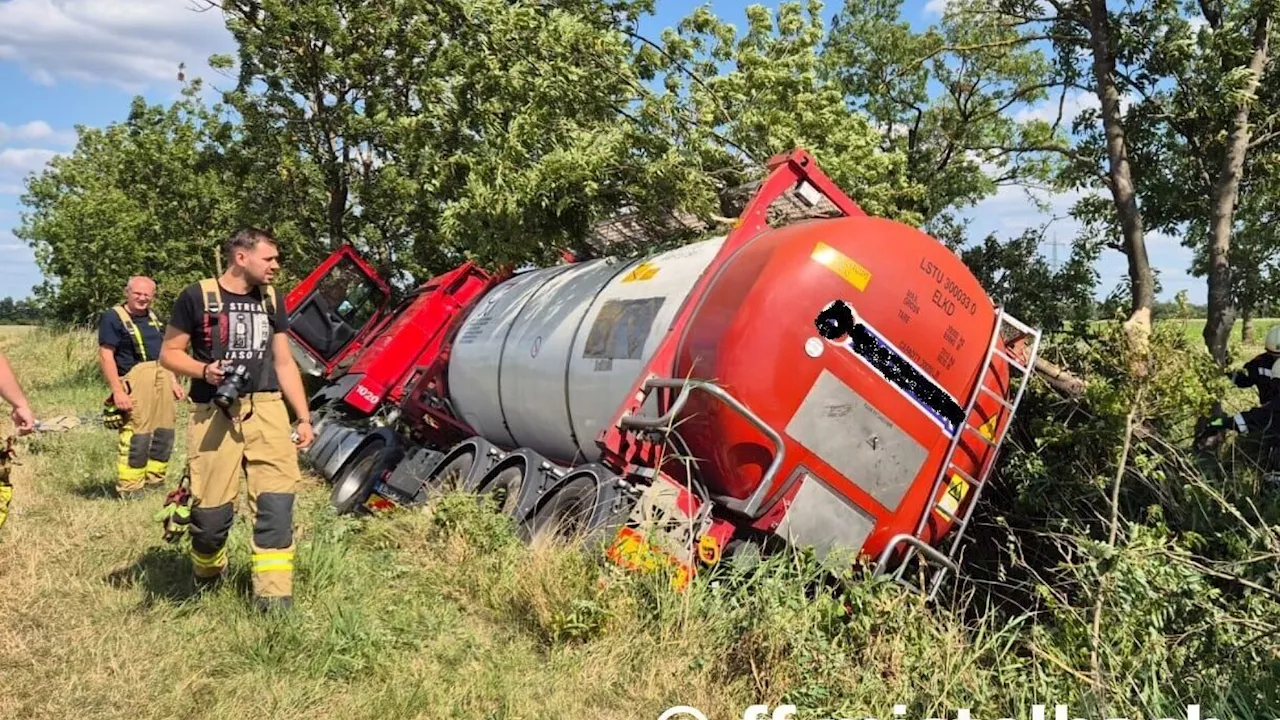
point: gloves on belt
(113, 418)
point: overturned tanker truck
(842, 384)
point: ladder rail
(955, 441)
(996, 443)
(989, 466)
(968, 410)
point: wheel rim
(351, 482)
(450, 476)
(504, 489)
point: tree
(1204, 131)
(149, 195)
(964, 141)
(1182, 145)
(440, 131)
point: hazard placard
(956, 491)
(641, 272)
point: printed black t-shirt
(248, 333)
(113, 334)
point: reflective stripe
(124, 472)
(272, 561)
(1240, 425)
(215, 560)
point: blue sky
(69, 62)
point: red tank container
(843, 418)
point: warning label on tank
(641, 272)
(842, 265)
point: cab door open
(332, 308)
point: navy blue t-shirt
(112, 333)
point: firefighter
(142, 392)
(11, 391)
(1261, 372)
(243, 372)
(24, 421)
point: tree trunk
(1141, 282)
(1059, 379)
(1246, 331)
(1225, 192)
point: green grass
(442, 613)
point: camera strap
(211, 295)
(218, 330)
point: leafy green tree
(149, 195)
(439, 131)
(732, 101)
(1018, 277)
(19, 312)
(947, 97)
(1181, 147)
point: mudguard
(344, 444)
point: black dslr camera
(233, 383)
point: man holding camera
(242, 373)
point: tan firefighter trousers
(146, 440)
(255, 439)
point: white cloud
(936, 7)
(35, 131)
(10, 244)
(19, 272)
(24, 160)
(1074, 103)
(127, 43)
(17, 163)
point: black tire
(460, 469)
(502, 488)
(354, 482)
(586, 505)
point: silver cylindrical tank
(545, 359)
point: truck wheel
(355, 481)
(461, 468)
(588, 504)
(504, 487)
(515, 482)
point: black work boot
(274, 604)
(204, 584)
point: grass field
(442, 614)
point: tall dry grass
(442, 613)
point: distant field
(1194, 331)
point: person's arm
(177, 338)
(291, 385)
(108, 338)
(12, 393)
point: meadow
(440, 612)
